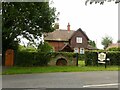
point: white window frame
(78, 39)
(76, 50)
(82, 50)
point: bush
(114, 49)
(45, 48)
(25, 58)
(91, 57)
(29, 49)
(114, 58)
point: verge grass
(49, 69)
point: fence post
(77, 59)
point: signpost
(102, 58)
(76, 50)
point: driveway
(98, 79)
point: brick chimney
(68, 27)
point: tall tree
(106, 41)
(28, 19)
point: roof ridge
(64, 30)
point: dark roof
(82, 33)
(63, 35)
(89, 47)
(59, 35)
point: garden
(34, 61)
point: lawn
(49, 69)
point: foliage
(100, 1)
(26, 19)
(114, 49)
(106, 41)
(25, 58)
(92, 43)
(91, 57)
(45, 48)
(114, 57)
(23, 48)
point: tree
(106, 41)
(27, 19)
(100, 1)
(45, 48)
(92, 43)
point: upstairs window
(78, 39)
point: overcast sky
(96, 20)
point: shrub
(25, 58)
(114, 49)
(114, 57)
(91, 57)
(29, 49)
(45, 48)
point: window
(78, 39)
(76, 50)
(81, 50)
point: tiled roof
(113, 45)
(59, 35)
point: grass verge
(49, 69)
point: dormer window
(78, 39)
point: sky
(96, 20)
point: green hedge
(25, 58)
(91, 57)
(114, 49)
(114, 57)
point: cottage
(68, 40)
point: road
(98, 79)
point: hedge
(91, 57)
(25, 58)
(114, 58)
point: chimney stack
(68, 27)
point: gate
(9, 57)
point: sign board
(101, 56)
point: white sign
(101, 56)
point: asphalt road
(99, 79)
